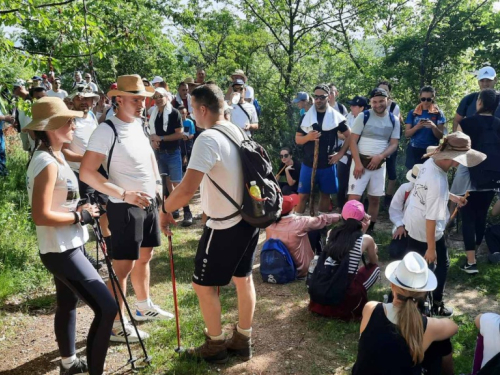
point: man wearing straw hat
(249, 92)
(133, 183)
(427, 213)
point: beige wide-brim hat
(411, 273)
(413, 173)
(190, 81)
(456, 146)
(130, 85)
(49, 114)
(84, 91)
(239, 72)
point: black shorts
(85, 189)
(225, 253)
(132, 228)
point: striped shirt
(354, 257)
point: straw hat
(50, 113)
(413, 174)
(411, 273)
(190, 81)
(130, 85)
(239, 72)
(456, 146)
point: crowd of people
(117, 147)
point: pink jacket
(292, 231)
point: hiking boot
(240, 345)
(188, 219)
(176, 214)
(439, 309)
(494, 258)
(78, 367)
(469, 268)
(212, 351)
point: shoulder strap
(227, 134)
(112, 126)
(393, 119)
(246, 113)
(228, 197)
(366, 116)
(392, 107)
(341, 108)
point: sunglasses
(157, 97)
(320, 97)
(238, 90)
(283, 156)
(426, 100)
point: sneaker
(118, 335)
(188, 219)
(469, 268)
(176, 214)
(439, 309)
(78, 367)
(240, 345)
(151, 313)
(212, 351)
(494, 258)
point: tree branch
(7, 11)
(53, 55)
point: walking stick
(179, 348)
(282, 169)
(467, 193)
(313, 177)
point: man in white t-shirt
(427, 212)
(227, 247)
(56, 90)
(243, 114)
(132, 185)
(372, 140)
(240, 75)
(88, 81)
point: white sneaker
(153, 312)
(118, 335)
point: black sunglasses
(284, 156)
(426, 99)
(238, 90)
(320, 97)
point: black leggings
(474, 215)
(343, 179)
(75, 278)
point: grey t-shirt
(376, 134)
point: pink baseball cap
(353, 210)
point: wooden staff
(313, 177)
(456, 211)
(282, 169)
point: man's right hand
(313, 135)
(137, 198)
(399, 233)
(358, 170)
(155, 145)
(430, 256)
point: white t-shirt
(249, 94)
(399, 204)
(84, 127)
(93, 86)
(239, 118)
(217, 156)
(64, 199)
(490, 330)
(377, 132)
(131, 165)
(60, 94)
(428, 201)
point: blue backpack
(257, 106)
(276, 263)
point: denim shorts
(170, 162)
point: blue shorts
(171, 164)
(326, 179)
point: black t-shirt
(327, 143)
(174, 122)
(294, 173)
(467, 106)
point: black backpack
(256, 167)
(330, 281)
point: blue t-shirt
(189, 128)
(424, 137)
(467, 106)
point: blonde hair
(409, 320)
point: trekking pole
(116, 286)
(179, 348)
(313, 177)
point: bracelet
(77, 217)
(123, 195)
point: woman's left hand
(91, 208)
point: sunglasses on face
(426, 100)
(320, 97)
(283, 156)
(157, 97)
(237, 90)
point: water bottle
(258, 209)
(236, 98)
(312, 267)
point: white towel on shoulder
(332, 119)
(179, 100)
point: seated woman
(292, 230)
(486, 357)
(347, 243)
(395, 336)
(289, 172)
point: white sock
(117, 324)
(68, 362)
(245, 332)
(216, 338)
(144, 304)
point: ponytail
(410, 323)
(42, 138)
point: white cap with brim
(411, 273)
(486, 73)
(156, 79)
(412, 174)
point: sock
(372, 226)
(117, 324)
(470, 264)
(144, 304)
(215, 338)
(245, 332)
(186, 209)
(68, 362)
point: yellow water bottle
(258, 210)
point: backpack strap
(341, 108)
(228, 197)
(392, 107)
(112, 126)
(246, 113)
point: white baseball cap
(486, 73)
(156, 79)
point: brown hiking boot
(240, 345)
(213, 351)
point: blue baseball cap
(301, 96)
(360, 101)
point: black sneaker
(439, 309)
(494, 258)
(469, 268)
(188, 219)
(176, 214)
(78, 367)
